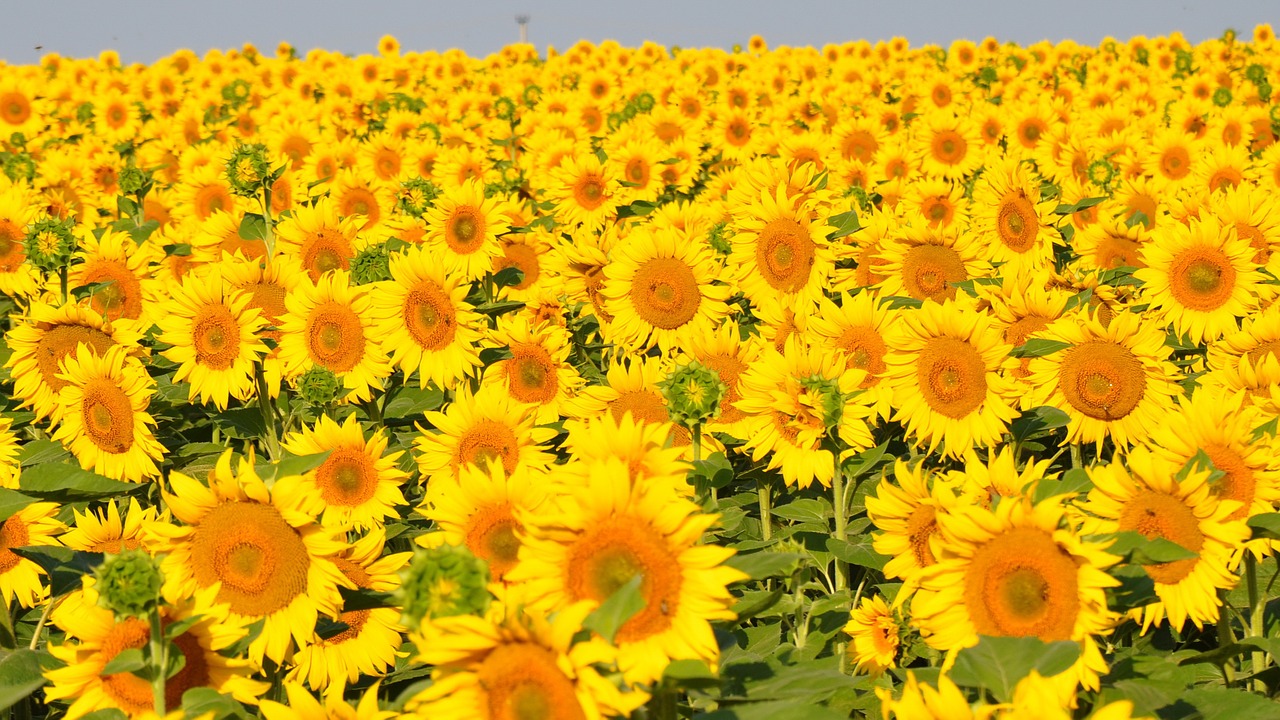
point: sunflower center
(664, 293)
(729, 368)
(921, 525)
(532, 376)
(865, 350)
(59, 341)
(108, 416)
(1021, 583)
(430, 316)
(1237, 482)
(127, 689)
(1202, 278)
(1175, 163)
(217, 337)
(1114, 251)
(13, 533)
(589, 191)
(12, 253)
(785, 255)
(486, 441)
(1160, 515)
(647, 406)
(335, 337)
(949, 147)
(1102, 379)
(952, 376)
(608, 556)
(258, 557)
(522, 256)
(466, 231)
(491, 536)
(928, 272)
(347, 477)
(122, 297)
(14, 108)
(524, 682)
(1016, 223)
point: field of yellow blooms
(866, 381)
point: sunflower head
(129, 584)
(319, 386)
(693, 394)
(248, 169)
(50, 243)
(444, 581)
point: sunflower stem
(1077, 461)
(159, 663)
(663, 704)
(44, 618)
(270, 238)
(1257, 610)
(268, 417)
(62, 282)
(1225, 636)
(842, 520)
(766, 509)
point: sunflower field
(866, 381)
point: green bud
(719, 238)
(417, 196)
(443, 582)
(50, 243)
(693, 394)
(19, 167)
(133, 179)
(129, 584)
(247, 169)
(1101, 172)
(319, 386)
(823, 397)
(1222, 97)
(504, 109)
(370, 265)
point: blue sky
(144, 30)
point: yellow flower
(358, 482)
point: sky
(146, 30)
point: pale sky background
(145, 30)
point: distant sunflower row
(482, 370)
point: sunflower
(1169, 154)
(10, 449)
(780, 248)
(484, 508)
(949, 146)
(368, 646)
(1009, 217)
(1200, 278)
(1221, 425)
(267, 284)
(329, 324)
(538, 373)
(21, 109)
(18, 209)
(260, 547)
(319, 238)
(497, 667)
(305, 706)
(925, 263)
(632, 387)
(1024, 305)
(107, 531)
(905, 511)
(215, 338)
(121, 269)
(526, 251)
(48, 334)
(729, 355)
(95, 638)
(103, 418)
(861, 327)
(875, 630)
(1110, 243)
(1016, 570)
(1255, 214)
(1113, 381)
(794, 400)
(642, 447)
(20, 578)
(218, 236)
(608, 530)
(480, 428)
(358, 482)
(922, 701)
(585, 192)
(1149, 495)
(463, 228)
(944, 368)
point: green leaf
(291, 465)
(253, 227)
(754, 602)
(1136, 587)
(241, 423)
(761, 565)
(845, 224)
(20, 675)
(805, 510)
(496, 309)
(713, 472)
(998, 663)
(690, 674)
(775, 710)
(613, 613)
(200, 701)
(411, 401)
(1140, 550)
(638, 208)
(1075, 481)
(64, 483)
(1265, 526)
(179, 249)
(1219, 655)
(857, 553)
(1039, 347)
(11, 501)
(1224, 704)
(127, 661)
(39, 452)
(1038, 421)
(1084, 204)
(508, 276)
(365, 599)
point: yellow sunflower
(103, 419)
(905, 511)
(538, 373)
(1010, 219)
(369, 644)
(359, 481)
(659, 287)
(479, 428)
(1145, 494)
(329, 324)
(463, 229)
(127, 293)
(875, 630)
(215, 338)
(780, 248)
(95, 637)
(862, 328)
(267, 285)
(944, 367)
(303, 705)
(1113, 381)
(107, 531)
(21, 579)
(606, 531)
(585, 192)
(319, 238)
(1200, 278)
(925, 263)
(261, 548)
(490, 667)
(642, 447)
(949, 146)
(729, 355)
(18, 208)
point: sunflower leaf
(20, 675)
(253, 227)
(761, 565)
(508, 276)
(127, 661)
(39, 452)
(64, 566)
(1138, 549)
(65, 483)
(1265, 526)
(845, 224)
(614, 612)
(292, 465)
(1039, 347)
(11, 501)
(998, 663)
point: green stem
(842, 519)
(270, 238)
(62, 282)
(1257, 610)
(373, 411)
(1077, 461)
(159, 663)
(663, 704)
(44, 618)
(697, 444)
(268, 417)
(1225, 636)
(766, 509)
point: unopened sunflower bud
(823, 398)
(133, 179)
(319, 386)
(50, 243)
(442, 582)
(247, 169)
(128, 584)
(417, 196)
(693, 393)
(370, 265)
